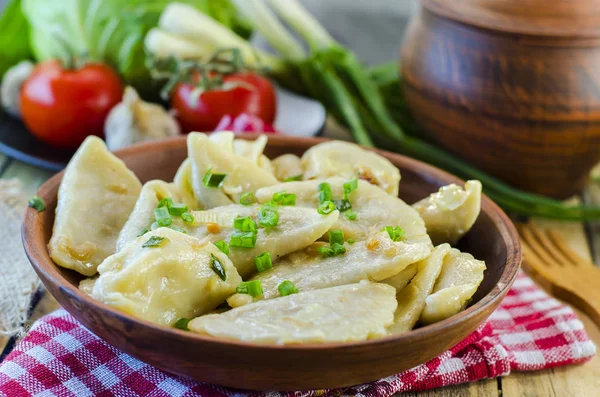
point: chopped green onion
(327, 207)
(37, 203)
(342, 205)
(243, 240)
(187, 217)
(283, 198)
(144, 231)
(217, 267)
(155, 241)
(287, 288)
(182, 323)
(247, 198)
(252, 288)
(338, 249)
(293, 178)
(350, 215)
(162, 216)
(268, 219)
(178, 209)
(165, 202)
(178, 229)
(213, 180)
(336, 236)
(326, 251)
(350, 186)
(245, 224)
(324, 192)
(263, 262)
(154, 226)
(268, 216)
(270, 206)
(351, 241)
(222, 245)
(396, 233)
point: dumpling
(374, 208)
(164, 280)
(451, 212)
(287, 166)
(460, 277)
(347, 160)
(142, 216)
(95, 198)
(340, 314)
(243, 175)
(297, 228)
(401, 280)
(376, 258)
(411, 300)
(183, 182)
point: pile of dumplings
(285, 251)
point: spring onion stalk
(304, 23)
(184, 21)
(162, 44)
(268, 25)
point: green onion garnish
(165, 202)
(324, 192)
(263, 262)
(326, 208)
(283, 198)
(293, 178)
(245, 224)
(213, 180)
(287, 288)
(243, 240)
(252, 288)
(222, 245)
(217, 267)
(247, 198)
(350, 215)
(182, 323)
(336, 236)
(326, 251)
(144, 231)
(342, 205)
(268, 217)
(396, 233)
(350, 186)
(178, 209)
(338, 249)
(155, 241)
(178, 229)
(187, 217)
(351, 241)
(162, 216)
(154, 226)
(36, 203)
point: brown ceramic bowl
(267, 367)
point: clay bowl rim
(34, 245)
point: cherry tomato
(62, 106)
(241, 93)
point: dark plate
(17, 142)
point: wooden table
(578, 380)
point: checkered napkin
(529, 331)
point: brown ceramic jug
(512, 86)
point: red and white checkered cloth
(529, 331)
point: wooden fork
(567, 275)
